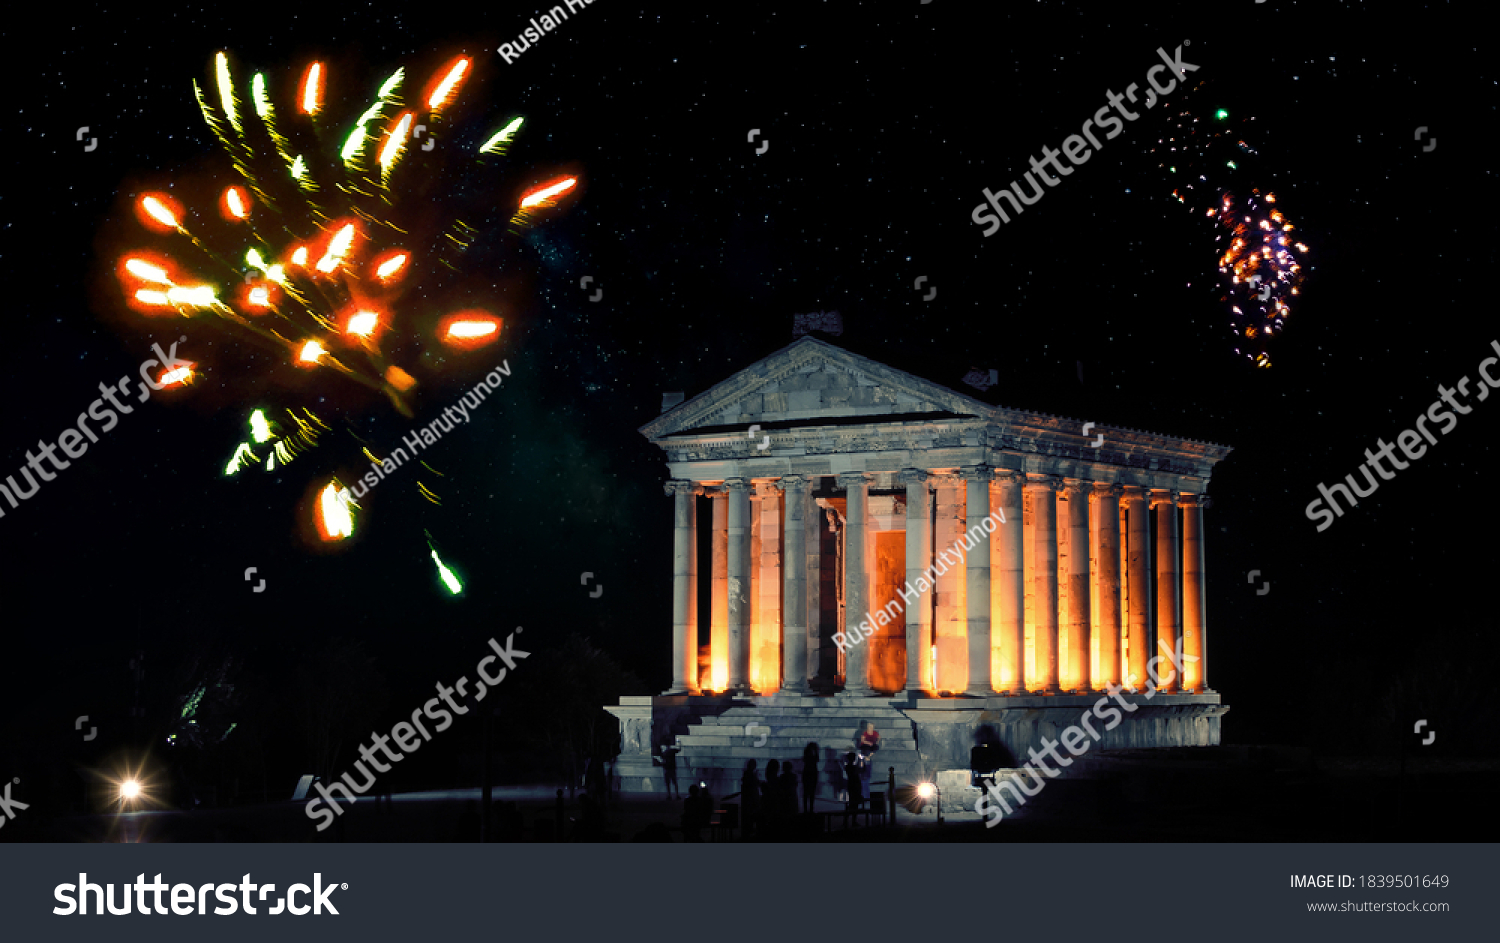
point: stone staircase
(715, 748)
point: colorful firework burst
(342, 258)
(1262, 266)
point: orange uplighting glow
(234, 204)
(442, 93)
(159, 212)
(545, 193)
(312, 89)
(469, 329)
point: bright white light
(130, 789)
(925, 790)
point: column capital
(679, 487)
(1074, 487)
(736, 484)
(1108, 489)
(790, 483)
(851, 479)
(1133, 492)
(976, 473)
(1008, 476)
(1049, 482)
(1160, 496)
(1189, 500)
(913, 476)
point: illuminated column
(977, 578)
(1076, 495)
(718, 625)
(1168, 607)
(765, 631)
(1138, 578)
(1107, 514)
(684, 587)
(856, 583)
(952, 614)
(739, 585)
(1009, 577)
(918, 559)
(794, 568)
(1194, 597)
(1044, 511)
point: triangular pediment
(812, 382)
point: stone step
(824, 738)
(896, 758)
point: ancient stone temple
(854, 543)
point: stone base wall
(922, 738)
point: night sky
(885, 122)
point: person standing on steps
(809, 776)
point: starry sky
(882, 124)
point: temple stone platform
(924, 739)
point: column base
(741, 690)
(978, 692)
(795, 690)
(858, 692)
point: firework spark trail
(1262, 267)
(337, 275)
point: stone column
(1009, 586)
(794, 619)
(1168, 605)
(856, 583)
(1078, 676)
(1044, 510)
(1194, 596)
(1138, 551)
(684, 587)
(718, 625)
(977, 578)
(1107, 508)
(951, 621)
(739, 585)
(918, 559)
(765, 615)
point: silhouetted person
(788, 790)
(809, 776)
(669, 768)
(853, 780)
(750, 799)
(693, 816)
